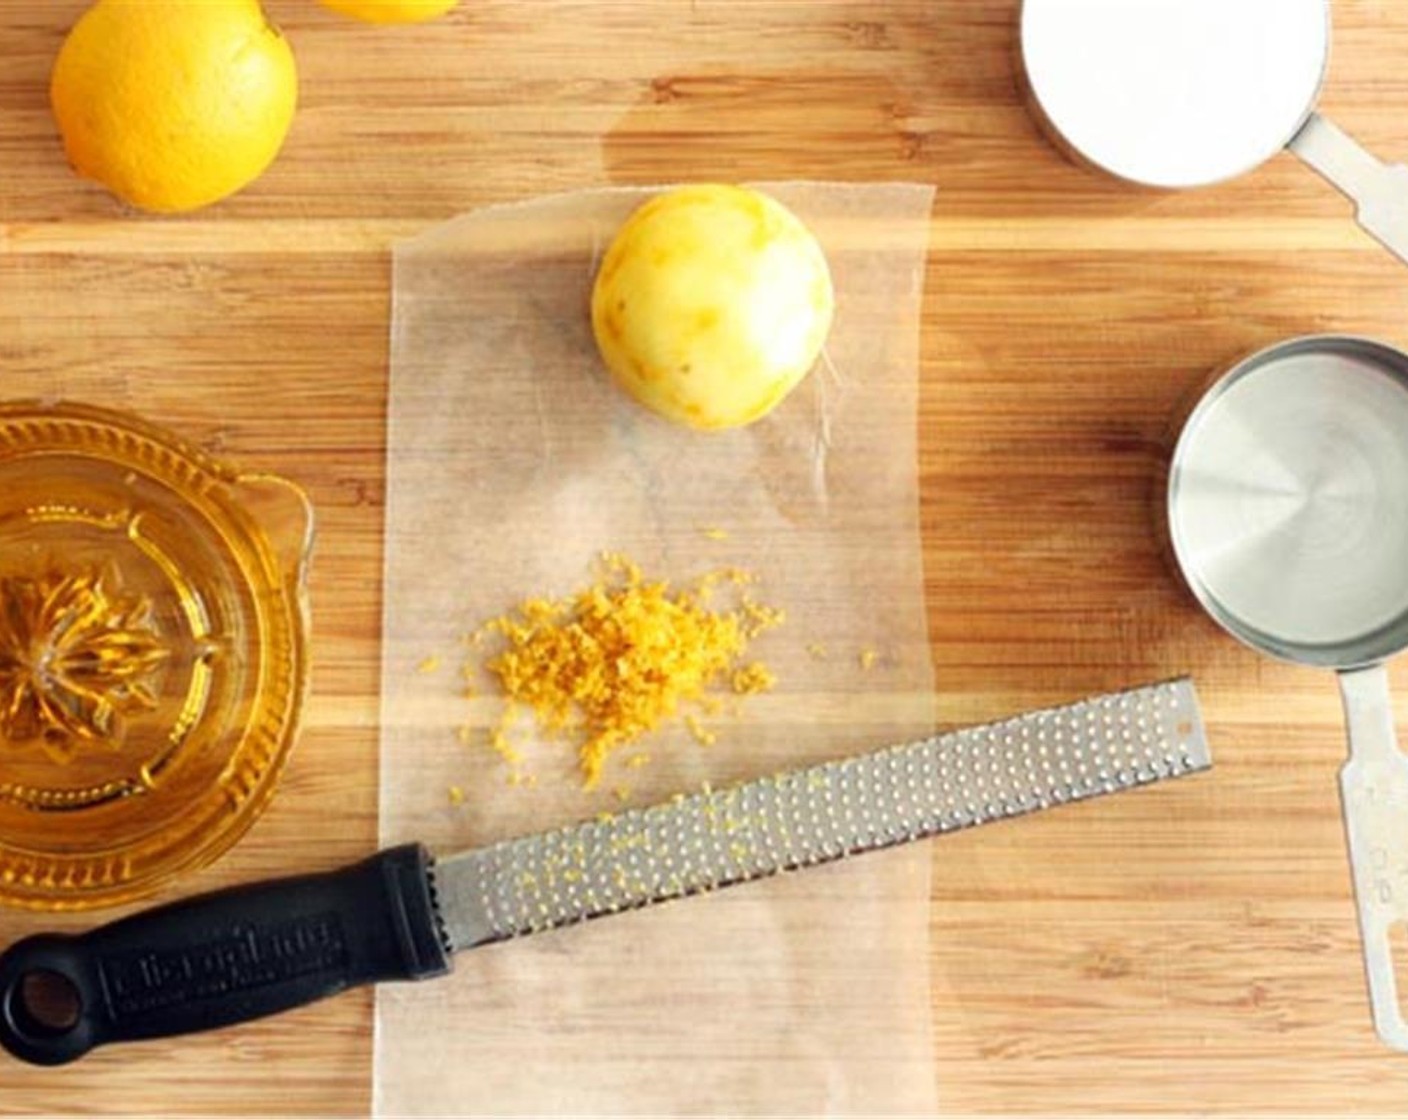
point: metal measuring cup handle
(1374, 791)
(1379, 191)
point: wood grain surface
(1192, 947)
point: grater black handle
(223, 958)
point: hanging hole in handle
(45, 1004)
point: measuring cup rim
(1378, 645)
(1041, 111)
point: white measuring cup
(1187, 93)
(1288, 515)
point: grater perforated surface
(719, 837)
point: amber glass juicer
(153, 663)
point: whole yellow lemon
(391, 11)
(711, 305)
(173, 104)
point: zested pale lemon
(711, 304)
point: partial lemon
(712, 303)
(174, 104)
(391, 11)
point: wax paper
(513, 461)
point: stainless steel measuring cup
(1186, 93)
(1288, 515)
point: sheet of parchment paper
(512, 462)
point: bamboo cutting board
(1190, 948)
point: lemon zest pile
(623, 657)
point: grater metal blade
(717, 838)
